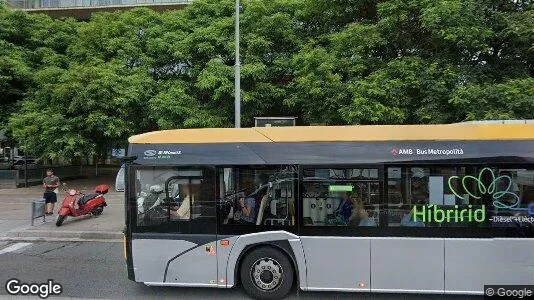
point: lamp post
(237, 88)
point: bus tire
(267, 273)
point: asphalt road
(97, 270)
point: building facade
(82, 9)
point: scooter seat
(86, 198)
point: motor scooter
(87, 204)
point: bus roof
(357, 133)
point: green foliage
(174, 108)
(71, 88)
(408, 90)
(77, 111)
(27, 44)
(508, 100)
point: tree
(28, 43)
(15, 72)
(77, 111)
(81, 84)
(513, 99)
(410, 61)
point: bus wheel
(267, 273)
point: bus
(438, 209)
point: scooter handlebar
(67, 190)
(76, 192)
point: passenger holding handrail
(247, 210)
(344, 210)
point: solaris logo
(150, 152)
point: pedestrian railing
(17, 178)
(8, 179)
(35, 174)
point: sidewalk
(15, 220)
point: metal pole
(32, 207)
(25, 163)
(237, 91)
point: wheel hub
(266, 277)
(267, 273)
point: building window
(257, 195)
(340, 197)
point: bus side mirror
(128, 159)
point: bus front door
(197, 265)
(174, 244)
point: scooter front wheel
(60, 220)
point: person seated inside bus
(365, 219)
(359, 216)
(408, 220)
(150, 199)
(246, 211)
(183, 212)
(419, 191)
(345, 207)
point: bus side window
(167, 194)
(257, 196)
(341, 197)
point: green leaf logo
(491, 189)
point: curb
(51, 235)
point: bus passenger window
(512, 202)
(166, 194)
(341, 197)
(257, 195)
(406, 187)
(472, 196)
(413, 190)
